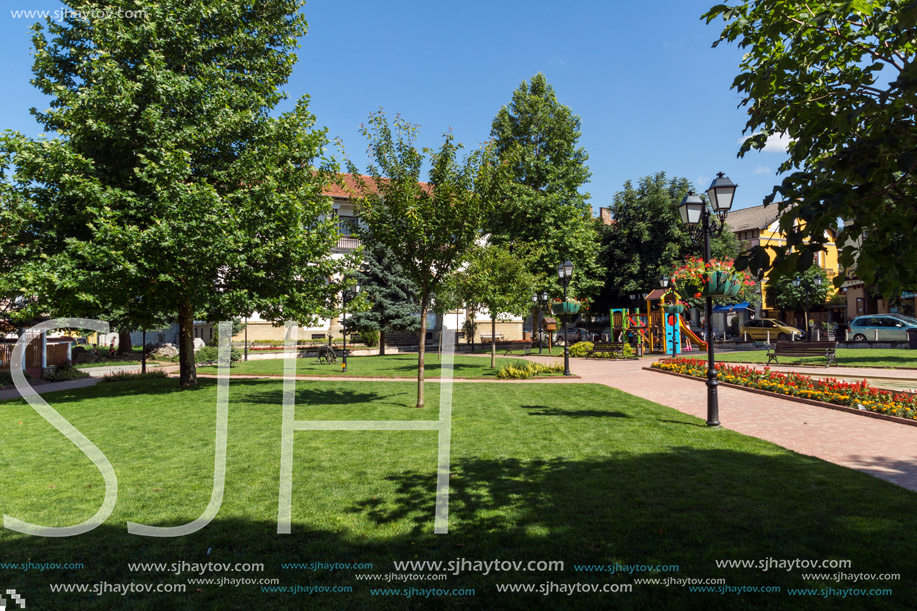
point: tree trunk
(381, 342)
(124, 341)
(187, 372)
(420, 350)
(493, 343)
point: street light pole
(696, 213)
(565, 273)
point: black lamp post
(565, 273)
(540, 300)
(707, 221)
(347, 295)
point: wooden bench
(803, 349)
(616, 349)
(486, 338)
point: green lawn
(390, 366)
(579, 473)
(846, 357)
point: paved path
(884, 449)
(12, 393)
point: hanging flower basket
(565, 307)
(673, 308)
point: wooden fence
(56, 355)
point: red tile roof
(350, 186)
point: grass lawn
(846, 357)
(581, 473)
(390, 366)
(112, 364)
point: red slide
(687, 331)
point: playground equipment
(654, 330)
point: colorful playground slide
(687, 331)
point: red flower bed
(829, 390)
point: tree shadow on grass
(685, 507)
(572, 413)
(320, 394)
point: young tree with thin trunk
(431, 227)
(170, 186)
(500, 281)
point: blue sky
(651, 92)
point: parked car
(576, 334)
(881, 327)
(760, 328)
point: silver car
(576, 334)
(881, 327)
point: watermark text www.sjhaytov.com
(67, 13)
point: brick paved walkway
(884, 449)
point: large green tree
(784, 294)
(647, 239)
(391, 294)
(498, 280)
(169, 186)
(538, 137)
(838, 79)
(429, 228)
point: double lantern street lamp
(565, 273)
(540, 301)
(797, 281)
(347, 295)
(707, 220)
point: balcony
(347, 243)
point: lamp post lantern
(707, 220)
(347, 295)
(565, 273)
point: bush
(581, 348)
(6, 378)
(64, 373)
(212, 354)
(124, 376)
(370, 337)
(524, 372)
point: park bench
(803, 349)
(526, 348)
(616, 349)
(486, 338)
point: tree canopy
(538, 137)
(498, 280)
(168, 187)
(392, 296)
(429, 228)
(648, 239)
(837, 78)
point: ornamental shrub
(209, 354)
(580, 349)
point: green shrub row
(64, 373)
(581, 349)
(529, 370)
(125, 376)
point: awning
(729, 308)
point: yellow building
(758, 226)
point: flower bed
(829, 390)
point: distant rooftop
(756, 217)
